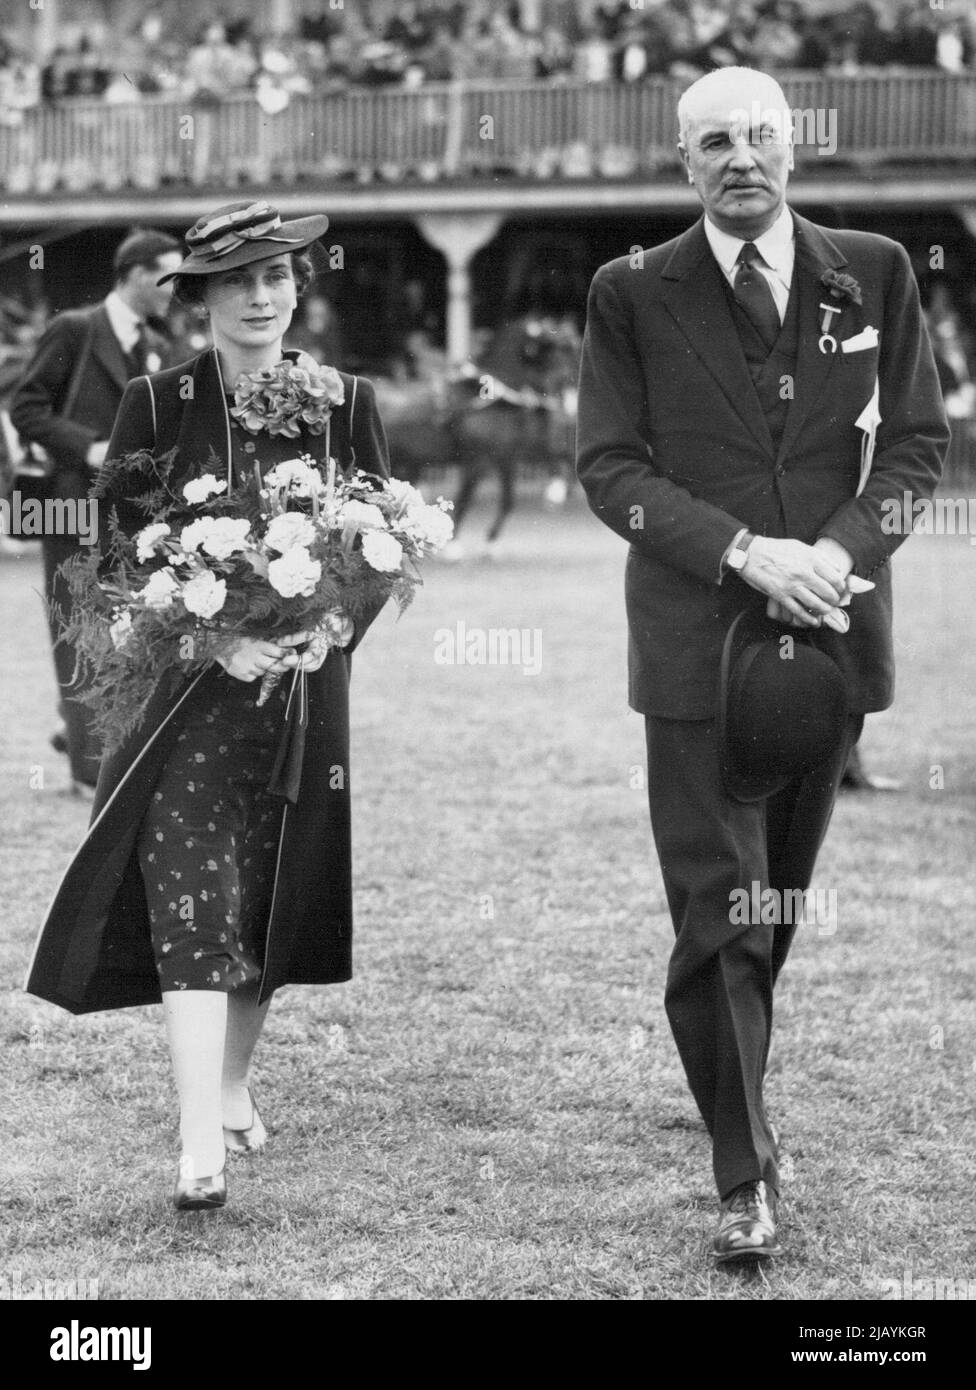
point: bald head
(738, 98)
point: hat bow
(223, 233)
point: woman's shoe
(200, 1194)
(250, 1140)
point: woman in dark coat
(197, 885)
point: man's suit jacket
(38, 403)
(675, 453)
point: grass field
(493, 1108)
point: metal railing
(448, 131)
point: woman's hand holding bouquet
(251, 658)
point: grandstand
(475, 160)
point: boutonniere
(841, 288)
(287, 398)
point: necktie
(137, 354)
(753, 293)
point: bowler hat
(782, 706)
(239, 233)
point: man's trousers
(719, 995)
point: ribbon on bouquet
(286, 775)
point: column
(281, 17)
(45, 35)
(458, 237)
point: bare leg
(196, 1022)
(245, 1019)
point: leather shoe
(200, 1194)
(747, 1225)
(250, 1140)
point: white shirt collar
(776, 246)
(125, 323)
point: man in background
(64, 409)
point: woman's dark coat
(94, 950)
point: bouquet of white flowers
(305, 548)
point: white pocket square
(867, 338)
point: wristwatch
(736, 557)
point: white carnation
(382, 551)
(362, 516)
(432, 525)
(404, 494)
(285, 472)
(295, 573)
(299, 476)
(159, 590)
(204, 594)
(288, 530)
(199, 489)
(147, 538)
(227, 535)
(193, 536)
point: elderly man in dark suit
(64, 409)
(730, 390)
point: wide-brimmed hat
(243, 232)
(782, 706)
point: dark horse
(516, 406)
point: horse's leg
(470, 474)
(506, 495)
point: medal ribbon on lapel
(828, 343)
(841, 287)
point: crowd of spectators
(334, 48)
